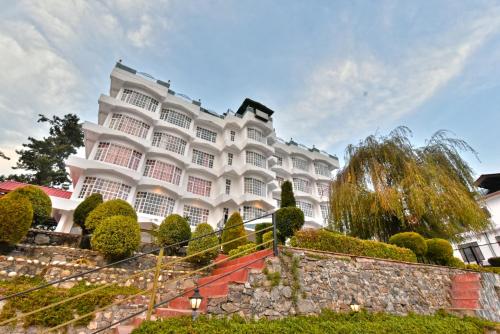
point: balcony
(78, 166)
(109, 104)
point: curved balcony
(259, 146)
(177, 130)
(79, 165)
(268, 204)
(178, 159)
(94, 132)
(109, 104)
(168, 188)
(202, 143)
(211, 172)
(320, 177)
(306, 196)
(181, 105)
(301, 172)
(206, 201)
(248, 169)
(228, 171)
(226, 199)
(281, 170)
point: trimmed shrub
(410, 240)
(114, 207)
(40, 202)
(243, 249)
(16, 216)
(288, 221)
(117, 237)
(174, 229)
(267, 237)
(479, 268)
(233, 229)
(259, 233)
(494, 261)
(333, 242)
(439, 251)
(287, 197)
(84, 208)
(455, 263)
(198, 245)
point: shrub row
(335, 242)
(327, 322)
(243, 249)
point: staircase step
(465, 294)
(171, 312)
(465, 286)
(471, 304)
(247, 258)
(256, 265)
(239, 276)
(124, 329)
(469, 277)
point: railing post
(275, 235)
(159, 262)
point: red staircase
(215, 285)
(465, 291)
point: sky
(334, 72)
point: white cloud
(345, 96)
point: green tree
(202, 240)
(114, 207)
(84, 209)
(40, 202)
(288, 221)
(44, 159)
(233, 229)
(410, 240)
(117, 237)
(389, 186)
(16, 215)
(287, 197)
(173, 229)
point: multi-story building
(164, 153)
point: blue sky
(333, 71)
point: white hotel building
(163, 153)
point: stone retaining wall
(312, 281)
(42, 237)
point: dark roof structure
(254, 104)
(490, 182)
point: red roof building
(8, 186)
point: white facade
(165, 154)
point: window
(203, 159)
(301, 185)
(169, 142)
(299, 163)
(250, 212)
(254, 186)
(129, 125)
(280, 180)
(323, 189)
(471, 253)
(118, 155)
(229, 159)
(321, 169)
(140, 100)
(228, 186)
(199, 186)
(154, 204)
(206, 134)
(162, 171)
(279, 160)
(107, 188)
(255, 159)
(325, 212)
(175, 118)
(196, 215)
(306, 207)
(232, 134)
(255, 135)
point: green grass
(327, 322)
(60, 313)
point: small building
(479, 247)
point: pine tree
(233, 229)
(287, 197)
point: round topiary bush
(455, 263)
(16, 216)
(40, 202)
(198, 245)
(114, 207)
(410, 240)
(233, 229)
(84, 209)
(439, 250)
(288, 221)
(494, 261)
(268, 236)
(173, 230)
(117, 237)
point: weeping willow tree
(388, 186)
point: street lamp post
(195, 301)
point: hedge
(174, 229)
(334, 242)
(233, 229)
(410, 240)
(288, 221)
(439, 251)
(259, 233)
(115, 207)
(16, 216)
(40, 201)
(328, 322)
(243, 249)
(117, 237)
(84, 209)
(198, 245)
